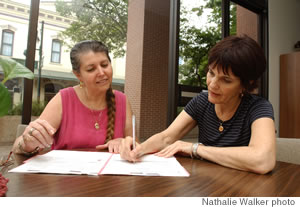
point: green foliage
(11, 69)
(37, 108)
(194, 46)
(103, 20)
(179, 109)
(195, 43)
(5, 102)
(216, 14)
(16, 110)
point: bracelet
(194, 151)
(35, 151)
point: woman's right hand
(38, 134)
(126, 151)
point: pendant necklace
(221, 128)
(97, 125)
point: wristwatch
(194, 150)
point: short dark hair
(86, 46)
(243, 56)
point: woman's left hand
(113, 145)
(184, 148)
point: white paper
(150, 165)
(94, 163)
(65, 162)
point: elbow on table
(264, 165)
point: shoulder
(257, 101)
(67, 90)
(120, 97)
(198, 105)
(201, 98)
(69, 94)
(119, 93)
(258, 107)
(55, 104)
(56, 100)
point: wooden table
(207, 179)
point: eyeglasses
(6, 161)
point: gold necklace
(97, 125)
(221, 128)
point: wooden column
(290, 95)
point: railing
(186, 93)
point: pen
(133, 131)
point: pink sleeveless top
(77, 128)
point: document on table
(100, 163)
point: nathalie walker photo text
(249, 202)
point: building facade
(52, 58)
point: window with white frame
(55, 51)
(7, 42)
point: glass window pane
(6, 50)
(7, 43)
(8, 37)
(56, 46)
(199, 31)
(55, 57)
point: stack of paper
(100, 163)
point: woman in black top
(236, 128)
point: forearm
(179, 128)
(243, 158)
(156, 143)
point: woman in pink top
(88, 115)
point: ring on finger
(31, 131)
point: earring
(241, 95)
(80, 84)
